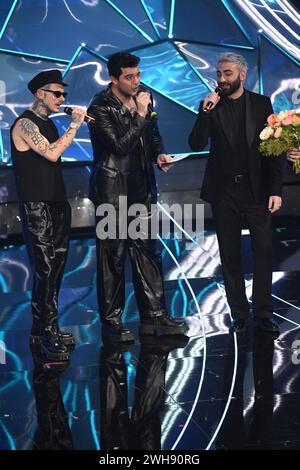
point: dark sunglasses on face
(58, 94)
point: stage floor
(209, 390)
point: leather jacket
(118, 138)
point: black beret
(44, 78)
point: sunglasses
(58, 94)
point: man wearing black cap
(36, 150)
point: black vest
(37, 179)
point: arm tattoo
(37, 138)
(60, 141)
(53, 147)
(43, 147)
(30, 129)
(27, 126)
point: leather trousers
(111, 255)
(142, 430)
(46, 228)
(53, 431)
(147, 277)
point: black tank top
(37, 179)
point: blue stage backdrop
(178, 41)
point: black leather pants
(146, 272)
(111, 255)
(53, 431)
(46, 227)
(142, 430)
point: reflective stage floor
(208, 390)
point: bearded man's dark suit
(235, 151)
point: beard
(231, 88)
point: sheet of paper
(177, 158)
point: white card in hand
(177, 158)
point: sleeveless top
(37, 179)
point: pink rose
(278, 132)
(295, 119)
(281, 116)
(291, 112)
(287, 121)
(271, 119)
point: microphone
(87, 118)
(210, 104)
(153, 114)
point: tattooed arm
(28, 133)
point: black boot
(267, 324)
(160, 323)
(238, 325)
(162, 344)
(52, 346)
(37, 333)
(115, 330)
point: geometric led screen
(178, 57)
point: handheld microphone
(87, 118)
(153, 114)
(210, 104)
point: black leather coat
(117, 138)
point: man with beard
(126, 142)
(241, 185)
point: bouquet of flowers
(281, 133)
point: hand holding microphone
(144, 104)
(211, 100)
(78, 116)
(143, 100)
